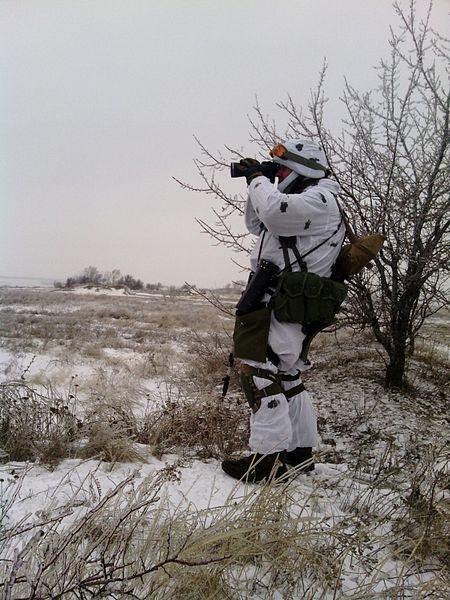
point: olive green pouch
(303, 297)
(251, 335)
(289, 299)
(332, 296)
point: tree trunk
(395, 372)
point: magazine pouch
(303, 297)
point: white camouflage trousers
(278, 424)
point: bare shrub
(35, 426)
(109, 425)
(208, 359)
(207, 425)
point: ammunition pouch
(303, 297)
(251, 328)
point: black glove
(251, 168)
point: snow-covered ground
(380, 461)
(324, 501)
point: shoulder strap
(300, 258)
(348, 228)
(291, 243)
(261, 244)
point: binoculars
(268, 168)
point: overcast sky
(99, 102)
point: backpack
(356, 255)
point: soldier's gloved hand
(251, 168)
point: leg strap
(286, 377)
(257, 372)
(252, 393)
(298, 389)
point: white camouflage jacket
(312, 216)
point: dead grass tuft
(35, 426)
(425, 526)
(109, 427)
(206, 425)
(109, 441)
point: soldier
(299, 227)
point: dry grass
(268, 543)
(34, 425)
(425, 529)
(42, 426)
(109, 442)
(31, 319)
(206, 360)
(205, 425)
(109, 426)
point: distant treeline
(92, 276)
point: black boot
(300, 458)
(255, 468)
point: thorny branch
(212, 299)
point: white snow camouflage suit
(311, 216)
